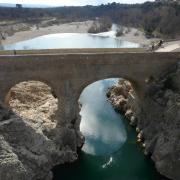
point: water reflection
(102, 127)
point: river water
(73, 40)
(110, 151)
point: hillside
(157, 19)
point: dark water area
(110, 151)
(128, 163)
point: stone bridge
(68, 72)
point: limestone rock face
(160, 122)
(31, 143)
(34, 102)
(123, 99)
(157, 118)
(10, 166)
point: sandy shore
(137, 36)
(134, 35)
(74, 27)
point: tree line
(154, 18)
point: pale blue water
(104, 131)
(70, 40)
(110, 151)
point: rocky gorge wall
(156, 118)
(31, 144)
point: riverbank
(137, 36)
(133, 35)
(73, 27)
(130, 34)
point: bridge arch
(69, 72)
(10, 84)
(35, 102)
(82, 84)
(45, 82)
(95, 112)
(74, 105)
(88, 82)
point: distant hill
(156, 19)
(25, 5)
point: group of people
(158, 45)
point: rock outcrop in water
(123, 99)
(157, 119)
(31, 142)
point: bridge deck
(64, 51)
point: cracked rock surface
(31, 143)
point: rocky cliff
(156, 117)
(31, 142)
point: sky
(70, 2)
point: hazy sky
(70, 2)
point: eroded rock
(31, 143)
